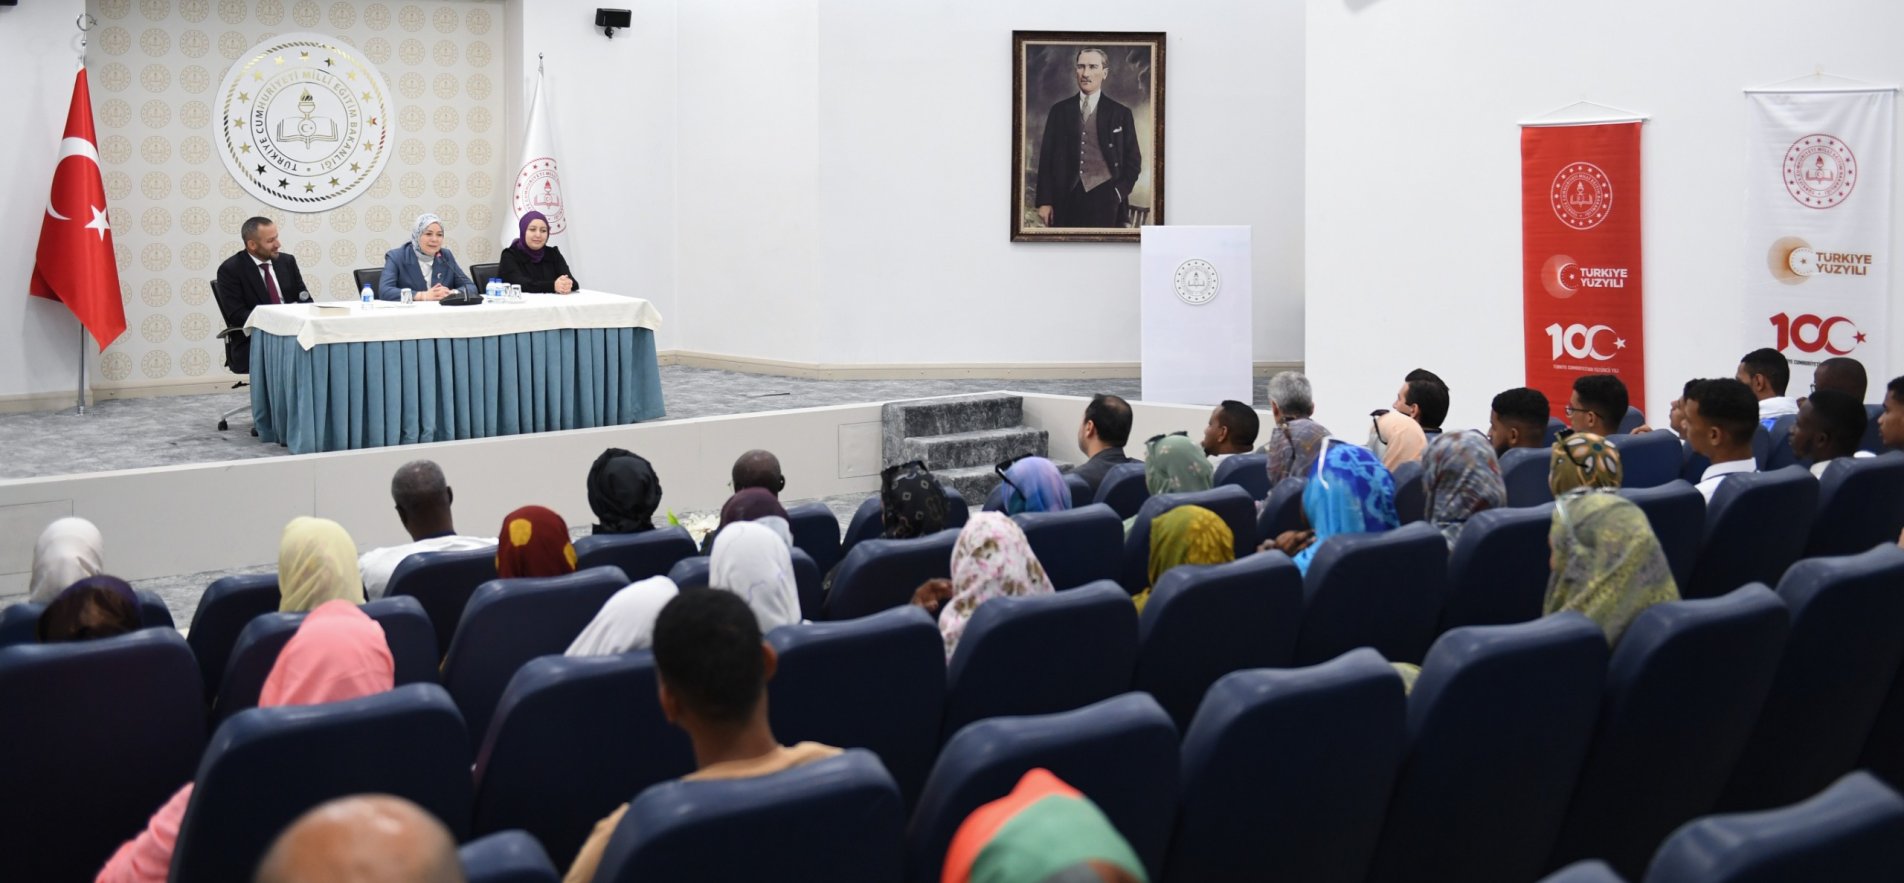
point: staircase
(960, 438)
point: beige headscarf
(68, 551)
(1397, 439)
(317, 562)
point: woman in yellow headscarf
(317, 562)
(1186, 535)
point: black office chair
(237, 360)
(482, 273)
(367, 276)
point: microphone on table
(304, 297)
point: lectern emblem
(304, 122)
(1196, 282)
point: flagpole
(84, 22)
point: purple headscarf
(522, 235)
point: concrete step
(945, 416)
(974, 482)
(985, 447)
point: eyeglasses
(1164, 435)
(1006, 465)
(1571, 410)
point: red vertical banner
(1580, 257)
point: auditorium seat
(1041, 654)
(595, 726)
(267, 766)
(443, 582)
(878, 574)
(1247, 471)
(1381, 590)
(1203, 622)
(1498, 568)
(1677, 513)
(1756, 526)
(1696, 464)
(1773, 447)
(1076, 546)
(511, 621)
(638, 555)
(839, 820)
(1080, 489)
(1498, 725)
(1845, 648)
(1684, 687)
(1123, 489)
(1860, 505)
(692, 572)
(98, 735)
(877, 682)
(1584, 872)
(1122, 753)
(867, 524)
(406, 629)
(816, 531)
(19, 623)
(1229, 502)
(1525, 472)
(1873, 440)
(1555, 426)
(1851, 832)
(506, 857)
(1647, 460)
(1884, 749)
(228, 604)
(1286, 773)
(1633, 419)
(1282, 509)
(1411, 497)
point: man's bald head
(368, 838)
(758, 469)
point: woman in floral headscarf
(1584, 460)
(1607, 563)
(991, 560)
(1173, 464)
(1348, 492)
(1460, 477)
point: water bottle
(366, 296)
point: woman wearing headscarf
(1173, 464)
(911, 502)
(1460, 477)
(1043, 831)
(755, 504)
(317, 562)
(1186, 535)
(534, 542)
(1034, 484)
(992, 559)
(1349, 491)
(624, 492)
(423, 265)
(1584, 460)
(338, 653)
(756, 564)
(532, 262)
(1607, 563)
(1396, 439)
(94, 607)
(626, 623)
(69, 550)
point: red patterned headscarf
(534, 541)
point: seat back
(877, 682)
(1497, 727)
(511, 621)
(1696, 463)
(1555, 426)
(593, 724)
(1286, 773)
(267, 766)
(1247, 471)
(482, 273)
(443, 582)
(1773, 445)
(99, 734)
(1584, 872)
(838, 819)
(1683, 689)
(692, 573)
(1884, 749)
(1080, 489)
(1633, 419)
(1229, 502)
(228, 604)
(1203, 622)
(406, 628)
(1852, 831)
(1860, 504)
(816, 530)
(638, 555)
(1677, 512)
(1756, 526)
(1649, 459)
(1282, 509)
(20, 623)
(1411, 496)
(1498, 568)
(1077, 546)
(506, 857)
(1121, 753)
(1525, 471)
(1123, 489)
(867, 524)
(1873, 439)
(1082, 644)
(1381, 590)
(878, 574)
(1844, 651)
(367, 276)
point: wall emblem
(304, 122)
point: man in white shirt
(1232, 430)
(1720, 417)
(1830, 425)
(423, 500)
(1766, 373)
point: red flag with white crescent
(74, 264)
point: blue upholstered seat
(1677, 512)
(1649, 459)
(1525, 472)
(638, 555)
(1633, 419)
(1076, 546)
(1123, 489)
(405, 626)
(507, 857)
(443, 582)
(1584, 872)
(1282, 509)
(228, 604)
(1205, 621)
(817, 531)
(867, 524)
(1381, 590)
(1851, 832)
(1229, 502)
(878, 574)
(1756, 526)
(1041, 654)
(1498, 568)
(19, 623)
(1247, 471)
(1411, 497)
(1860, 504)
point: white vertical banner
(538, 183)
(1195, 298)
(1818, 227)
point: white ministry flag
(538, 184)
(1818, 227)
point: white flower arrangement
(698, 524)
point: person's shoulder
(236, 261)
(1106, 101)
(396, 253)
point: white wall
(1413, 159)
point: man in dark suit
(258, 275)
(1088, 160)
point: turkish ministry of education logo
(539, 189)
(1582, 196)
(305, 122)
(1819, 171)
(1196, 282)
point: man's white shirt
(1716, 473)
(377, 564)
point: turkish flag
(74, 264)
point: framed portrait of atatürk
(1087, 135)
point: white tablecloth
(351, 322)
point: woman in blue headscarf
(1033, 484)
(1349, 491)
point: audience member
(1102, 436)
(1584, 460)
(1841, 373)
(1349, 492)
(1830, 425)
(1231, 430)
(1044, 831)
(755, 504)
(1607, 563)
(317, 562)
(1720, 419)
(69, 550)
(534, 541)
(1891, 422)
(366, 838)
(1034, 484)
(1396, 438)
(712, 668)
(337, 653)
(94, 607)
(911, 502)
(758, 468)
(1297, 439)
(992, 560)
(1185, 535)
(423, 499)
(623, 491)
(1460, 476)
(1424, 399)
(626, 623)
(1518, 419)
(1173, 464)
(1765, 372)
(757, 564)
(1597, 405)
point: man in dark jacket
(1088, 160)
(258, 275)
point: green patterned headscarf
(1583, 460)
(1186, 535)
(1174, 464)
(1607, 563)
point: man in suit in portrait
(1088, 160)
(258, 275)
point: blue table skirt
(345, 396)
